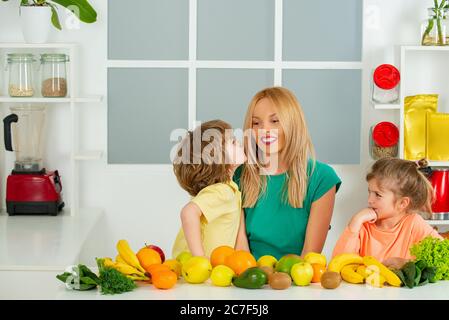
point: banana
(341, 260)
(126, 269)
(349, 274)
(364, 271)
(128, 255)
(136, 278)
(391, 278)
(108, 262)
(118, 258)
(376, 280)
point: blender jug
(27, 138)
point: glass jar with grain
(384, 140)
(54, 74)
(20, 66)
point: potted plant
(435, 29)
(35, 14)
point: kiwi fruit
(280, 281)
(330, 280)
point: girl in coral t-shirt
(397, 191)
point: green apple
(221, 276)
(196, 269)
(286, 262)
(183, 257)
(267, 261)
(302, 273)
(313, 257)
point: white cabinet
(69, 127)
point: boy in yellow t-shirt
(204, 165)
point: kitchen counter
(44, 242)
(44, 285)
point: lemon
(196, 270)
(183, 257)
(313, 257)
(174, 266)
(267, 261)
(221, 276)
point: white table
(44, 285)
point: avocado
(252, 278)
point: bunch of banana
(124, 268)
(349, 274)
(128, 256)
(390, 277)
(341, 260)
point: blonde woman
(288, 197)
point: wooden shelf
(85, 99)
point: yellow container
(437, 136)
(415, 110)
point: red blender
(30, 189)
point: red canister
(440, 182)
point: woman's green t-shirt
(274, 227)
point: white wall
(142, 203)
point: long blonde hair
(297, 151)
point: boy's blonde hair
(296, 153)
(196, 170)
(404, 179)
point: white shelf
(439, 163)
(438, 222)
(89, 155)
(18, 45)
(388, 106)
(86, 99)
(425, 48)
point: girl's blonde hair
(297, 151)
(404, 179)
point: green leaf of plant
(55, 18)
(87, 280)
(84, 10)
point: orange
(164, 279)
(240, 260)
(318, 270)
(154, 268)
(218, 256)
(147, 257)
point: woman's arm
(319, 221)
(190, 218)
(242, 241)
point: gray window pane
(331, 100)
(148, 29)
(225, 93)
(322, 30)
(235, 30)
(144, 106)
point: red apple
(159, 250)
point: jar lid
(20, 57)
(386, 76)
(54, 57)
(386, 134)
